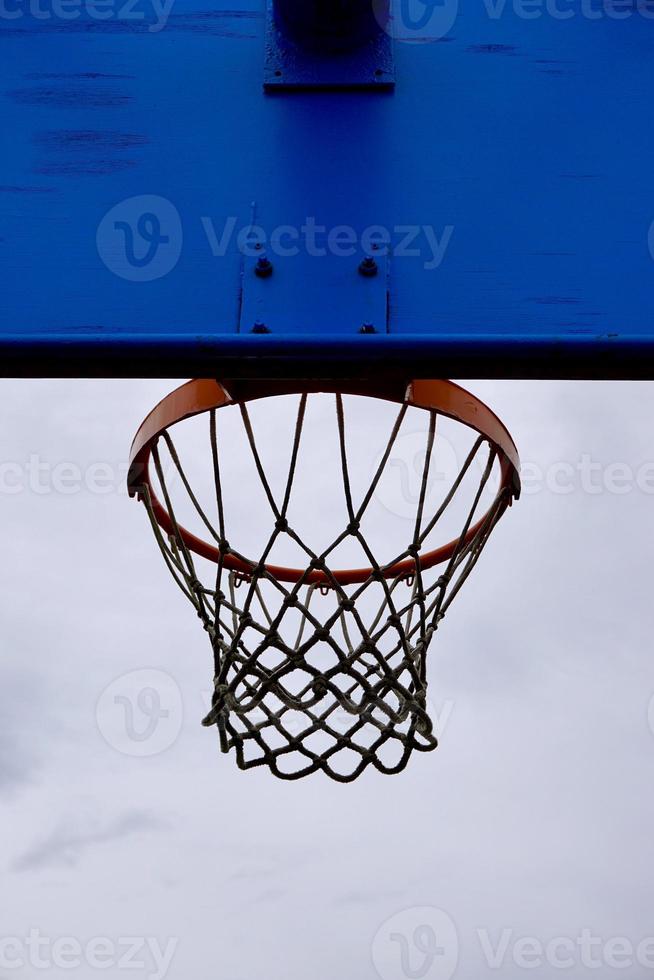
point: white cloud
(533, 815)
(69, 840)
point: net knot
(281, 524)
(318, 564)
(291, 600)
(414, 551)
(223, 546)
(353, 527)
(222, 693)
(320, 687)
(223, 701)
(347, 605)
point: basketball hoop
(303, 681)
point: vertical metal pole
(332, 24)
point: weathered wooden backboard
(502, 149)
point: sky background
(531, 822)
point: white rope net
(315, 675)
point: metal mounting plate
(321, 295)
(289, 65)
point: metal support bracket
(327, 295)
(290, 64)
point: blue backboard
(186, 190)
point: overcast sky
(531, 822)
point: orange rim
(204, 395)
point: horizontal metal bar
(264, 356)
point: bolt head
(264, 267)
(368, 266)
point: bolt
(264, 267)
(367, 328)
(368, 267)
(260, 327)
